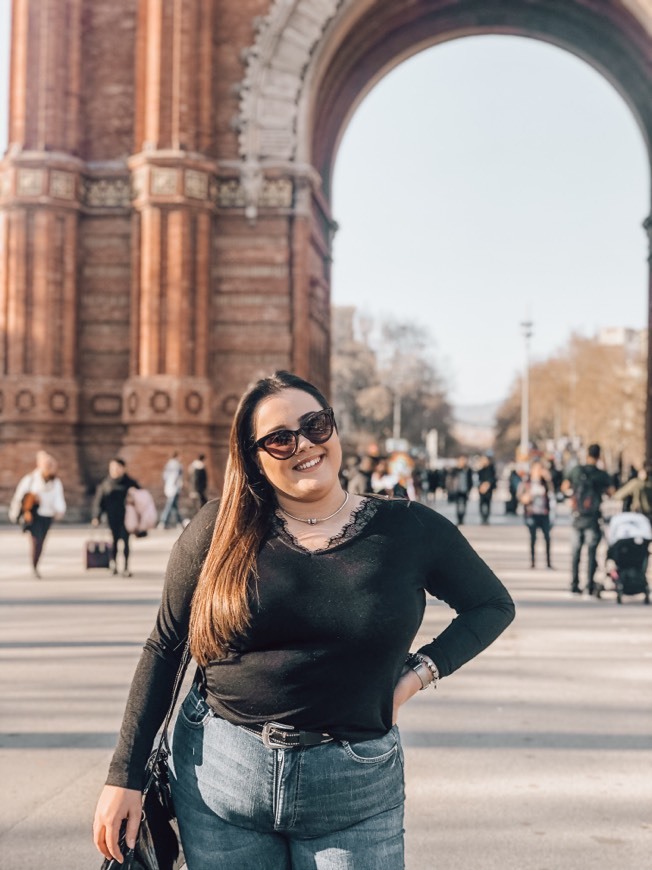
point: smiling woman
(301, 603)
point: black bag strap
(163, 744)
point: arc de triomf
(165, 221)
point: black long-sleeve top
(329, 630)
(110, 498)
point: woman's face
(313, 471)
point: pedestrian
(382, 480)
(360, 481)
(636, 494)
(513, 483)
(586, 485)
(459, 484)
(535, 494)
(486, 486)
(172, 486)
(37, 501)
(198, 483)
(110, 499)
(301, 602)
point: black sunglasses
(284, 443)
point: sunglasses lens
(319, 428)
(281, 444)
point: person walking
(38, 500)
(586, 485)
(535, 494)
(459, 484)
(172, 486)
(636, 494)
(110, 499)
(486, 486)
(360, 482)
(301, 603)
(198, 482)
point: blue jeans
(171, 507)
(338, 806)
(589, 534)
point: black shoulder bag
(158, 846)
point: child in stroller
(628, 538)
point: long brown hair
(221, 603)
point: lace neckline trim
(367, 509)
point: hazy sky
(480, 182)
(485, 180)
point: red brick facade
(165, 229)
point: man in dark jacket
(198, 482)
(110, 499)
(459, 483)
(586, 485)
(486, 487)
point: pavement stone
(535, 756)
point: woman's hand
(114, 805)
(408, 685)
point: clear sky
(480, 182)
(486, 180)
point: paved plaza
(536, 756)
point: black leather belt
(275, 735)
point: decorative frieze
(29, 182)
(196, 184)
(106, 192)
(62, 184)
(274, 193)
(163, 181)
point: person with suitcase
(110, 499)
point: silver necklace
(312, 521)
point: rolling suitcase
(98, 554)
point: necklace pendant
(312, 522)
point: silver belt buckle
(268, 740)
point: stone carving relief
(194, 402)
(62, 184)
(59, 402)
(106, 192)
(270, 93)
(275, 68)
(106, 405)
(163, 181)
(160, 401)
(25, 401)
(29, 182)
(196, 184)
(272, 193)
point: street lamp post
(526, 328)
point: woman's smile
(309, 464)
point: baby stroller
(628, 537)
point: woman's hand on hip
(114, 805)
(408, 685)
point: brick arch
(313, 61)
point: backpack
(586, 498)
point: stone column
(167, 399)
(40, 181)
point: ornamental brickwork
(165, 223)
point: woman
(301, 602)
(39, 499)
(535, 494)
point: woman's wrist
(425, 669)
